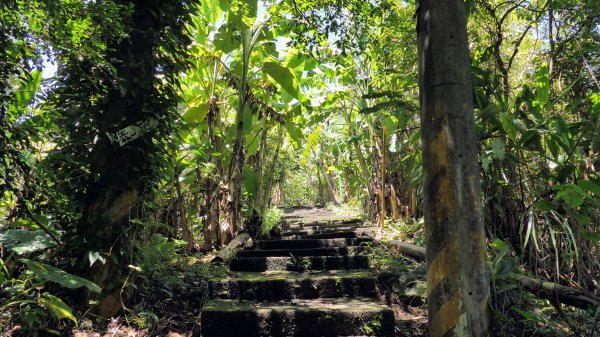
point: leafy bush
(26, 299)
(159, 259)
(271, 218)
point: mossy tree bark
(128, 148)
(457, 280)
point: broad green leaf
(391, 124)
(227, 40)
(499, 149)
(296, 62)
(242, 13)
(528, 315)
(284, 77)
(490, 111)
(499, 244)
(589, 186)
(212, 10)
(582, 219)
(224, 5)
(249, 119)
(544, 205)
(485, 163)
(196, 113)
(26, 92)
(542, 85)
(508, 125)
(253, 143)
(311, 143)
(590, 236)
(250, 181)
(58, 308)
(53, 274)
(295, 134)
(25, 241)
(572, 199)
(571, 194)
(530, 137)
(508, 266)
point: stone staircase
(309, 282)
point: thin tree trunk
(213, 191)
(186, 233)
(414, 211)
(347, 188)
(330, 186)
(382, 178)
(457, 278)
(374, 197)
(320, 186)
(260, 165)
(267, 190)
(394, 202)
(232, 203)
(361, 158)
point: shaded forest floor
(172, 286)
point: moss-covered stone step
(310, 243)
(323, 317)
(300, 263)
(282, 285)
(347, 227)
(324, 230)
(334, 223)
(321, 251)
(331, 235)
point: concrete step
(322, 317)
(302, 263)
(284, 285)
(321, 251)
(309, 243)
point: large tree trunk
(122, 167)
(457, 280)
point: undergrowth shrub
(171, 286)
(272, 217)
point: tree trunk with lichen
(457, 280)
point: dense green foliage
(193, 121)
